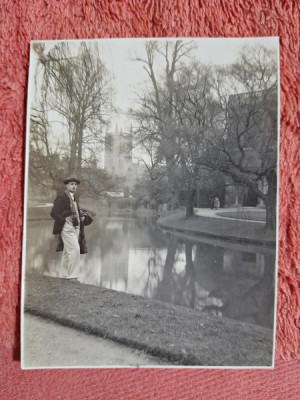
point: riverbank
(216, 227)
(42, 211)
(177, 334)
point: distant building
(118, 160)
(118, 153)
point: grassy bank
(225, 229)
(177, 334)
(250, 215)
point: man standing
(69, 225)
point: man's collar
(69, 194)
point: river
(135, 256)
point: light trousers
(70, 262)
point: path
(208, 212)
(50, 345)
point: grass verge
(249, 215)
(177, 334)
(226, 229)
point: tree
(46, 164)
(155, 112)
(74, 97)
(234, 120)
(174, 116)
(192, 118)
(243, 141)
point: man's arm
(59, 212)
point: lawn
(250, 215)
(227, 229)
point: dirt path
(51, 345)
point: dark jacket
(60, 211)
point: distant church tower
(118, 153)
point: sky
(129, 76)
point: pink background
(22, 21)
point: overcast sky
(129, 75)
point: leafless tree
(242, 141)
(155, 111)
(193, 112)
(75, 88)
(225, 120)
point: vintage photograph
(150, 204)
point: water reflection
(134, 256)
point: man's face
(71, 187)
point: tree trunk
(72, 164)
(80, 142)
(189, 202)
(270, 201)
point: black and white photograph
(150, 203)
